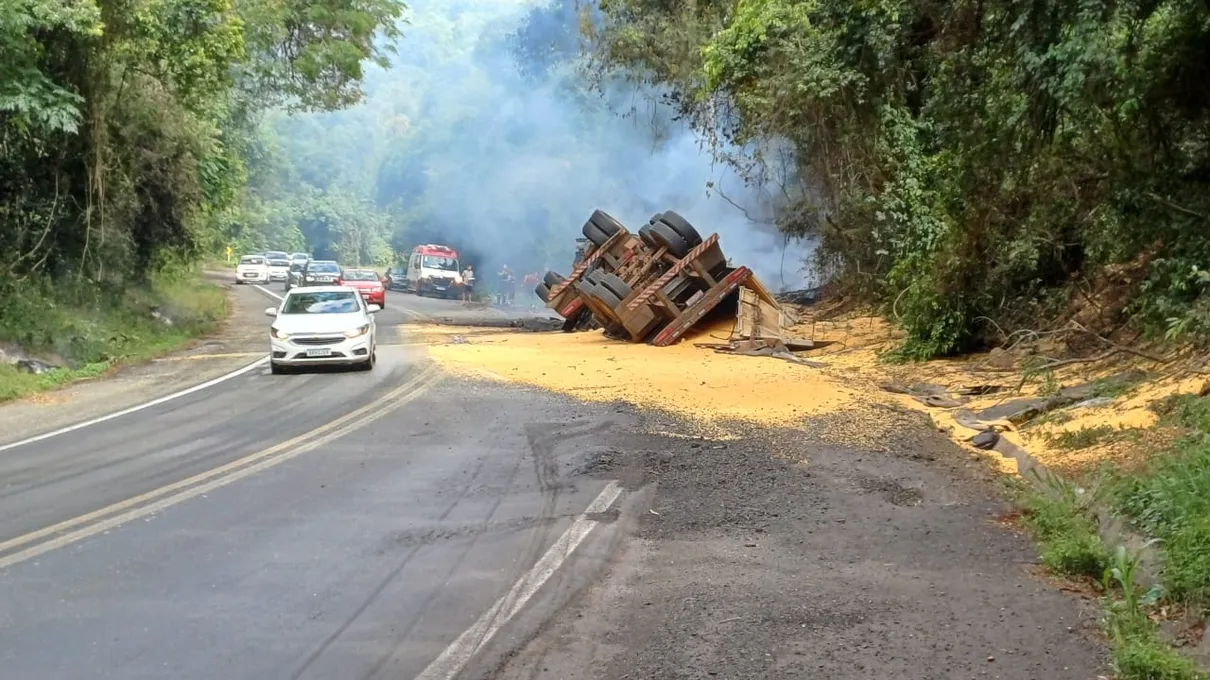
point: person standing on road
(468, 283)
(504, 295)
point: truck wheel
(552, 279)
(593, 276)
(645, 237)
(594, 233)
(606, 296)
(681, 226)
(663, 235)
(543, 292)
(606, 223)
(614, 284)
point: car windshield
(276, 255)
(327, 302)
(324, 268)
(297, 266)
(448, 264)
(299, 257)
(251, 259)
(360, 275)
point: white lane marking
(219, 477)
(154, 402)
(459, 653)
(266, 291)
(133, 409)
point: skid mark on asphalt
(390, 577)
(543, 439)
(457, 655)
(426, 604)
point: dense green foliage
(961, 159)
(1171, 499)
(128, 127)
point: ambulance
(433, 270)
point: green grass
(91, 330)
(1085, 437)
(1069, 545)
(1170, 500)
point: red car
(368, 284)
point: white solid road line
(266, 291)
(154, 402)
(457, 655)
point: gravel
(784, 553)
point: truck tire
(606, 223)
(543, 292)
(614, 284)
(594, 233)
(593, 276)
(552, 279)
(645, 237)
(666, 237)
(681, 226)
(606, 297)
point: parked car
(252, 269)
(294, 276)
(321, 273)
(367, 283)
(396, 278)
(322, 325)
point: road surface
(322, 525)
(408, 524)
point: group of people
(506, 287)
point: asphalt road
(323, 525)
(407, 524)
(402, 308)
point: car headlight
(278, 334)
(358, 332)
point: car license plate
(319, 352)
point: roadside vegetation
(1165, 500)
(1061, 517)
(131, 147)
(977, 168)
(82, 331)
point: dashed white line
(455, 657)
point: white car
(322, 325)
(252, 269)
(279, 265)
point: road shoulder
(237, 344)
(783, 554)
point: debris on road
(656, 284)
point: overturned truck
(649, 286)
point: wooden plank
(699, 309)
(759, 288)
